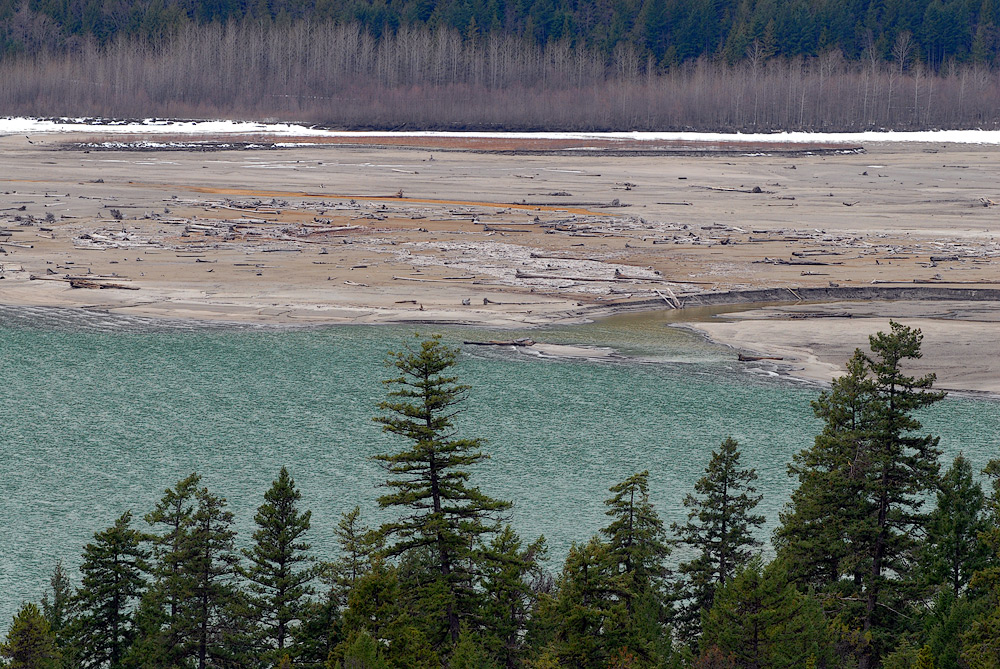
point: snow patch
(20, 125)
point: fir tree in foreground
(280, 571)
(720, 530)
(113, 567)
(30, 642)
(760, 619)
(953, 551)
(190, 613)
(443, 516)
(981, 637)
(852, 526)
(610, 602)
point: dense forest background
(510, 64)
(669, 32)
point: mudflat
(504, 234)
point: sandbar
(379, 231)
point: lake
(101, 413)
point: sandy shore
(440, 232)
(814, 340)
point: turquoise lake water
(99, 414)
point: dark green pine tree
(719, 530)
(867, 475)
(379, 607)
(638, 549)
(359, 547)
(171, 521)
(280, 570)
(512, 576)
(30, 643)
(161, 627)
(953, 551)
(112, 568)
(59, 610)
(760, 619)
(210, 569)
(569, 627)
(813, 535)
(321, 628)
(441, 512)
(980, 639)
(189, 616)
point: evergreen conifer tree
(60, 612)
(190, 614)
(759, 619)
(359, 546)
(59, 609)
(378, 607)
(171, 521)
(321, 629)
(211, 572)
(719, 529)
(925, 658)
(279, 569)
(865, 479)
(112, 569)
(429, 484)
(638, 550)
(981, 638)
(578, 615)
(511, 577)
(636, 538)
(30, 643)
(953, 551)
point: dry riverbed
(506, 235)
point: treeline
(342, 76)
(668, 31)
(864, 575)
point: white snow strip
(28, 126)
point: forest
(880, 559)
(669, 32)
(589, 65)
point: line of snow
(28, 126)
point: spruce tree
(280, 569)
(378, 607)
(866, 477)
(953, 551)
(636, 538)
(813, 535)
(442, 513)
(759, 619)
(719, 529)
(211, 570)
(190, 615)
(60, 612)
(571, 625)
(113, 581)
(171, 521)
(321, 629)
(162, 632)
(359, 546)
(638, 550)
(511, 578)
(30, 643)
(925, 658)
(981, 638)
